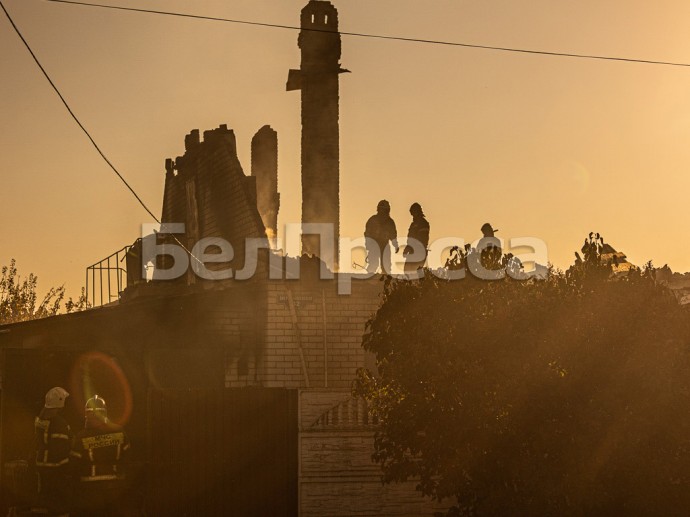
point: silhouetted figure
(53, 437)
(488, 230)
(380, 228)
(491, 254)
(99, 451)
(419, 231)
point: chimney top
(191, 140)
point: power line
(86, 132)
(76, 119)
(375, 36)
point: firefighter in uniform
(53, 437)
(419, 232)
(380, 230)
(491, 253)
(98, 451)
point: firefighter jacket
(99, 451)
(381, 228)
(53, 439)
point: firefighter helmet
(55, 398)
(416, 209)
(383, 206)
(488, 230)
(96, 405)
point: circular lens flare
(96, 373)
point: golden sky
(539, 146)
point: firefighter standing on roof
(99, 450)
(380, 231)
(53, 437)
(417, 235)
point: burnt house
(236, 393)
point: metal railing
(106, 279)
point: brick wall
(336, 474)
(313, 335)
(210, 193)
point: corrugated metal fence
(229, 452)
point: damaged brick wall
(207, 190)
(265, 170)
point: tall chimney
(317, 78)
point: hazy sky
(539, 146)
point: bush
(565, 396)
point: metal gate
(222, 452)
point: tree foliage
(567, 396)
(19, 299)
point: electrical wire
(76, 119)
(375, 36)
(86, 132)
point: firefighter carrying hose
(53, 437)
(98, 452)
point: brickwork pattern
(225, 196)
(334, 359)
(336, 475)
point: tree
(567, 396)
(19, 300)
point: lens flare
(96, 373)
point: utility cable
(76, 119)
(375, 36)
(86, 132)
